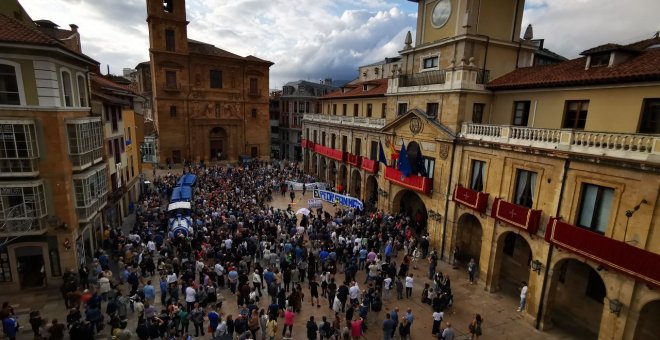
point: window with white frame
(67, 88)
(22, 205)
(89, 190)
(85, 141)
(18, 147)
(9, 90)
(595, 207)
(82, 91)
(525, 188)
(429, 167)
(148, 149)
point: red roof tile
(641, 66)
(99, 81)
(376, 88)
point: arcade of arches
(410, 204)
(468, 238)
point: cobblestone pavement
(501, 320)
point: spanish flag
(394, 154)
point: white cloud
(313, 39)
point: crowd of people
(271, 261)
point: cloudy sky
(314, 39)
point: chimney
(74, 28)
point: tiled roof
(199, 47)
(377, 88)
(100, 82)
(643, 65)
(63, 34)
(149, 128)
(15, 31)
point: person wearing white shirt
(354, 293)
(409, 285)
(190, 297)
(228, 243)
(387, 285)
(171, 278)
(151, 247)
(437, 321)
(523, 296)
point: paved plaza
(501, 320)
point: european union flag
(402, 163)
(419, 164)
(381, 154)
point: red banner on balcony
(621, 256)
(370, 165)
(330, 152)
(470, 198)
(516, 215)
(413, 182)
(353, 159)
(303, 143)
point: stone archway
(409, 203)
(576, 298)
(218, 144)
(648, 326)
(323, 168)
(468, 238)
(332, 173)
(371, 196)
(343, 175)
(512, 263)
(356, 183)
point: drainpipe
(444, 224)
(547, 261)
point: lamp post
(615, 306)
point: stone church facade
(210, 104)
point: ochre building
(210, 104)
(541, 169)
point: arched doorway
(343, 175)
(413, 152)
(512, 263)
(30, 266)
(314, 165)
(217, 140)
(410, 204)
(322, 169)
(356, 183)
(332, 173)
(648, 326)
(468, 238)
(371, 197)
(576, 299)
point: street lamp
(615, 306)
(537, 266)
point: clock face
(441, 13)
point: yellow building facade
(548, 174)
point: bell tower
(167, 26)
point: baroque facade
(209, 104)
(541, 170)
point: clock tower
(459, 46)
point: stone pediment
(417, 125)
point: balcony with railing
(364, 122)
(463, 77)
(631, 146)
(23, 209)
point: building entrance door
(30, 267)
(217, 147)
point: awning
(620, 256)
(471, 198)
(369, 165)
(353, 159)
(330, 152)
(516, 215)
(413, 182)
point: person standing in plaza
(409, 285)
(472, 268)
(437, 322)
(388, 327)
(356, 328)
(523, 296)
(447, 333)
(288, 321)
(312, 329)
(197, 317)
(475, 327)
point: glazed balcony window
(22, 208)
(85, 142)
(19, 153)
(90, 189)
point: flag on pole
(419, 164)
(393, 153)
(403, 164)
(381, 154)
